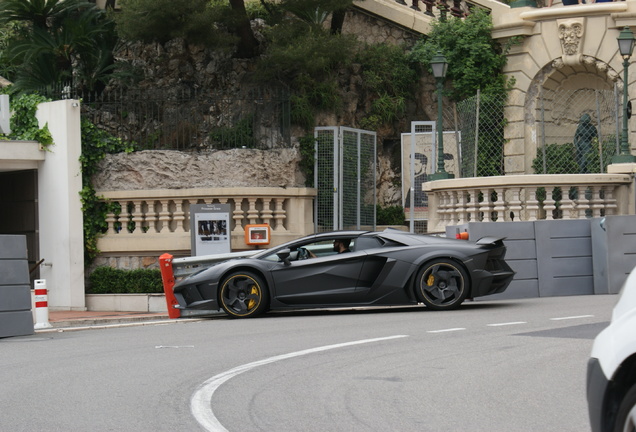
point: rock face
(171, 169)
(176, 66)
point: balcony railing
(526, 198)
(157, 221)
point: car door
(325, 280)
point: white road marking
(571, 317)
(202, 397)
(507, 323)
(446, 330)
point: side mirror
(283, 255)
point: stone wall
(171, 169)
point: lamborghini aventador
(351, 269)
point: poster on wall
(210, 229)
(424, 163)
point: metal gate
(345, 176)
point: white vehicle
(611, 373)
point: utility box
(16, 318)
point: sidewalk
(76, 320)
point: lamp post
(625, 47)
(439, 66)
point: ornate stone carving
(571, 33)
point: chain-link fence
(252, 117)
(481, 122)
(577, 130)
(345, 176)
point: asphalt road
(516, 365)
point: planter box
(126, 302)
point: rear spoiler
(490, 241)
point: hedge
(108, 280)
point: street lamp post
(626, 47)
(439, 66)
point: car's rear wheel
(626, 417)
(243, 295)
(442, 284)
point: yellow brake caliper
(431, 280)
(252, 302)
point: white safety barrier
(41, 305)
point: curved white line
(202, 397)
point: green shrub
(391, 215)
(108, 280)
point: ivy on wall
(96, 144)
(24, 124)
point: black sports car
(351, 268)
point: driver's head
(341, 244)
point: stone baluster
(429, 7)
(583, 203)
(237, 215)
(267, 213)
(486, 206)
(402, 2)
(446, 208)
(472, 209)
(280, 215)
(152, 216)
(414, 5)
(111, 221)
(610, 201)
(164, 216)
(549, 204)
(178, 216)
(515, 205)
(252, 212)
(499, 205)
(136, 216)
(463, 215)
(532, 203)
(456, 9)
(450, 215)
(443, 9)
(568, 206)
(597, 202)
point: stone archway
(561, 93)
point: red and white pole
(41, 305)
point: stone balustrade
(527, 198)
(157, 221)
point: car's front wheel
(626, 417)
(243, 295)
(442, 284)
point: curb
(94, 324)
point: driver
(341, 245)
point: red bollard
(167, 276)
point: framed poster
(418, 162)
(209, 229)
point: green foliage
(164, 20)
(560, 159)
(107, 280)
(240, 135)
(475, 60)
(391, 215)
(307, 145)
(60, 41)
(24, 125)
(306, 58)
(95, 145)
